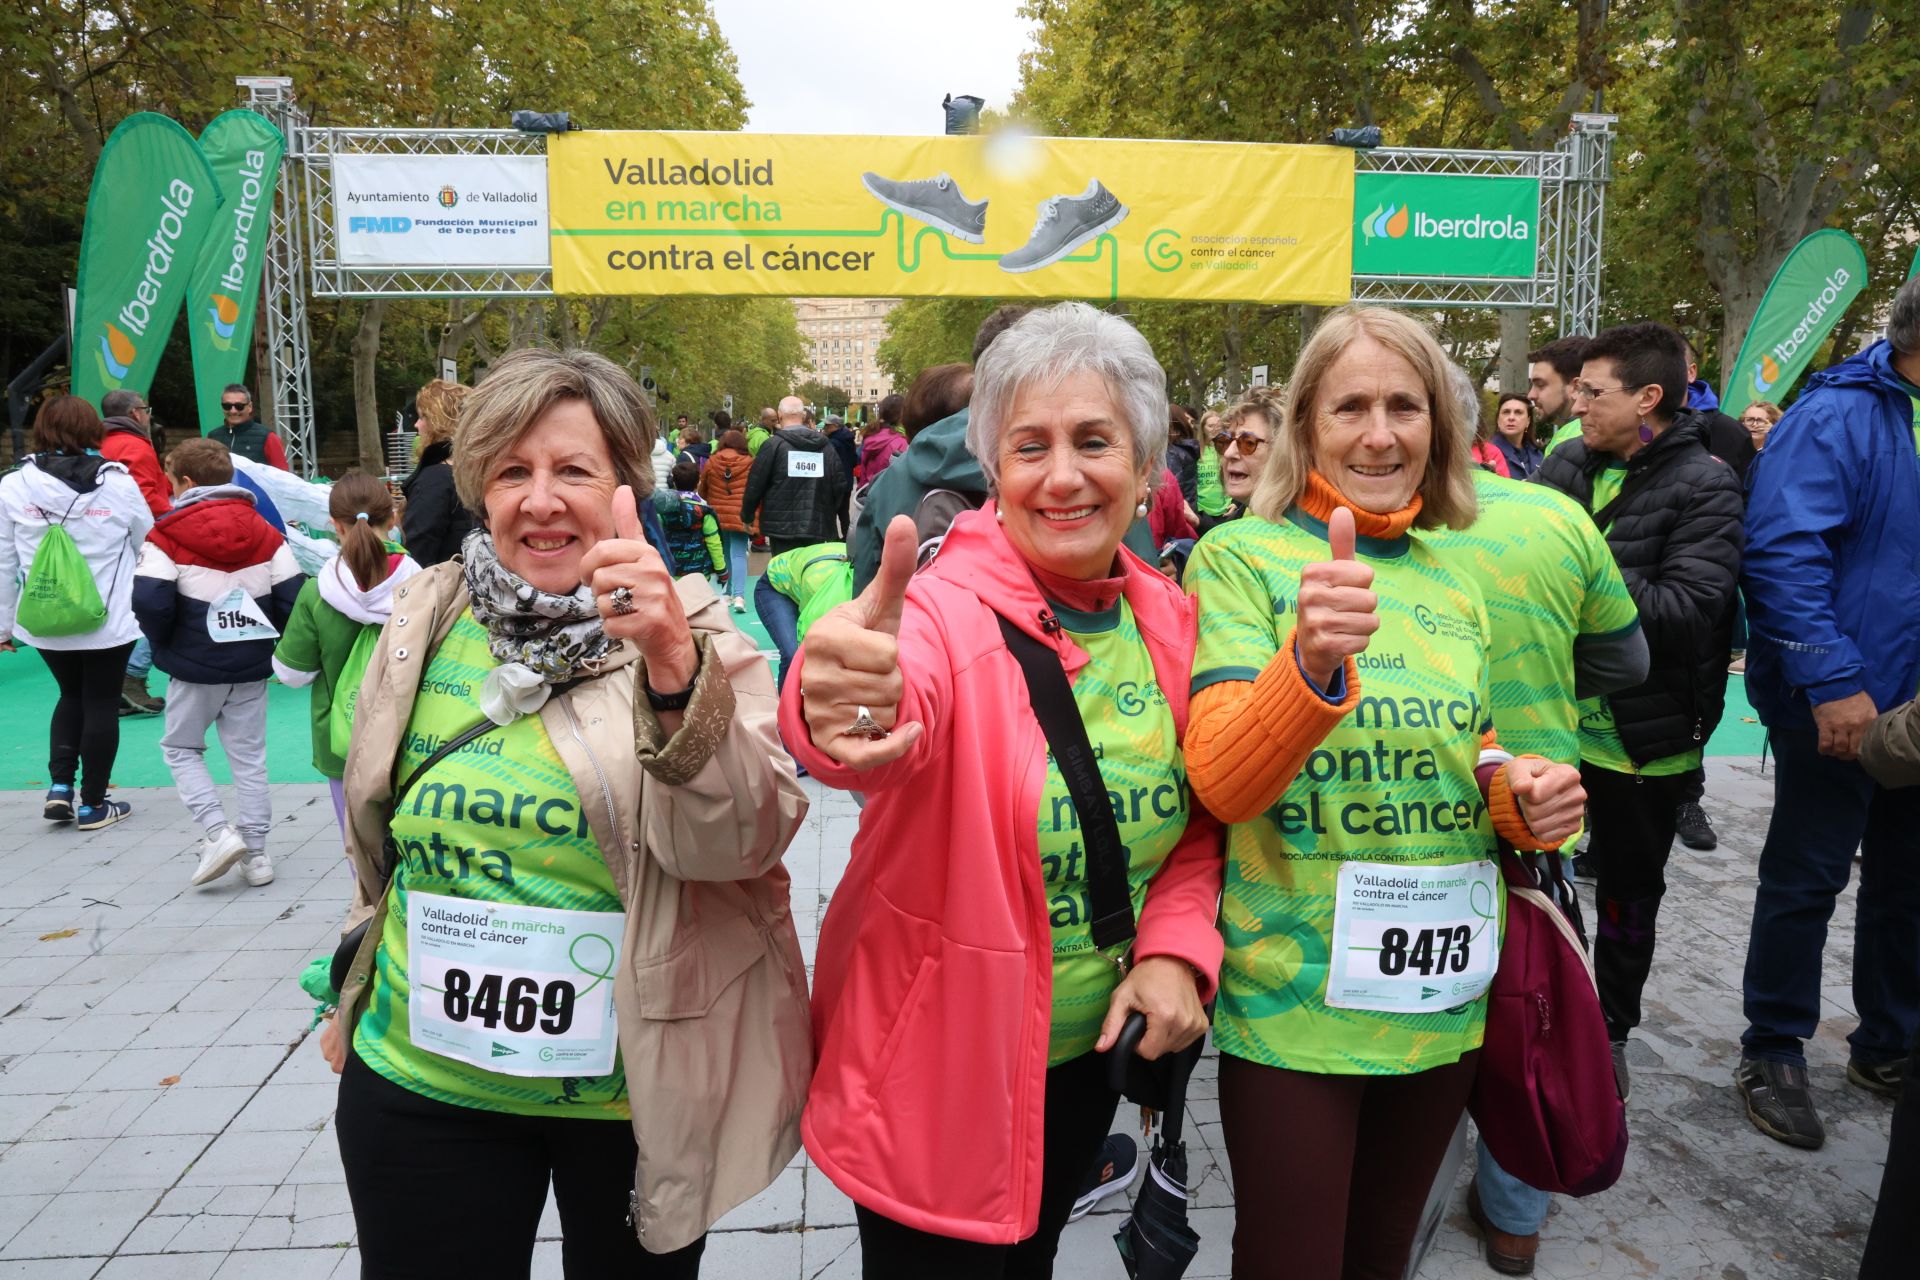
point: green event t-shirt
(1392, 783)
(497, 821)
(1548, 578)
(816, 578)
(1563, 433)
(1600, 743)
(1130, 728)
(1210, 495)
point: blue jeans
(142, 660)
(1510, 1204)
(733, 546)
(1823, 809)
(781, 617)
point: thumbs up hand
(633, 590)
(853, 665)
(1337, 608)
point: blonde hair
(1266, 403)
(523, 386)
(1768, 407)
(1446, 489)
(438, 404)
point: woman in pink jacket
(961, 1008)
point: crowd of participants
(1349, 627)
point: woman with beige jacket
(566, 806)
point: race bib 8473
(1413, 939)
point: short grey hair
(1903, 326)
(1047, 346)
(1468, 396)
(120, 403)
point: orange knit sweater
(1248, 739)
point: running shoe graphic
(1065, 223)
(935, 201)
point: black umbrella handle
(1179, 1067)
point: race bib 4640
(1413, 939)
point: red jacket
(932, 988)
(126, 443)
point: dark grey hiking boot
(1065, 223)
(1885, 1079)
(935, 201)
(1779, 1102)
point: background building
(842, 335)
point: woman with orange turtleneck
(1340, 724)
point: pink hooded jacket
(877, 452)
(932, 990)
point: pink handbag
(1545, 1099)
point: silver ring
(620, 600)
(865, 726)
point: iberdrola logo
(222, 316)
(1386, 220)
(116, 356)
(1766, 372)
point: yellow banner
(1003, 216)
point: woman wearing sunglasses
(1245, 429)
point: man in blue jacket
(1832, 579)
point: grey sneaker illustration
(1065, 223)
(935, 201)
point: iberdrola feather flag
(244, 152)
(151, 206)
(1813, 288)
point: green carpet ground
(27, 692)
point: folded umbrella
(1155, 1241)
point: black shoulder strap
(1109, 901)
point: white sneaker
(739, 604)
(218, 853)
(258, 869)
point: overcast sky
(870, 66)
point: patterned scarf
(539, 638)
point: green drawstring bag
(346, 691)
(60, 598)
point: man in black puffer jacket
(797, 487)
(1672, 515)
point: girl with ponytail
(338, 618)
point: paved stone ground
(163, 1118)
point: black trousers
(85, 734)
(1894, 1239)
(1632, 821)
(1079, 1109)
(441, 1190)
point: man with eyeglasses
(242, 434)
(127, 421)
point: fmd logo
(388, 225)
(1387, 221)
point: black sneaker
(1884, 1079)
(1779, 1102)
(59, 806)
(1695, 827)
(1112, 1171)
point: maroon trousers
(1330, 1172)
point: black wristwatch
(672, 701)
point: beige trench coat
(710, 993)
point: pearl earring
(1000, 514)
(1140, 512)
